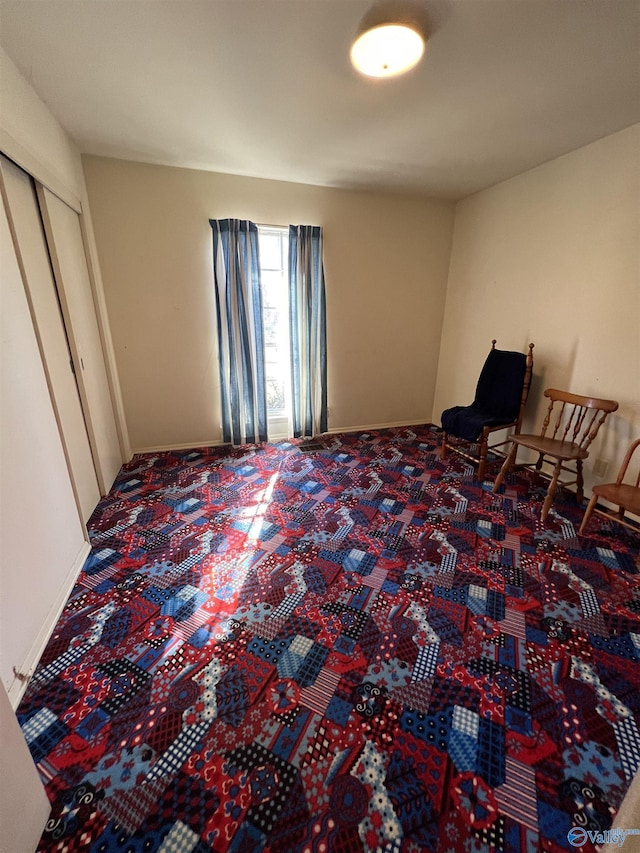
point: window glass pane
(271, 286)
(270, 251)
(275, 314)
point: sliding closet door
(50, 330)
(66, 247)
(42, 541)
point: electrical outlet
(600, 467)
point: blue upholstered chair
(501, 395)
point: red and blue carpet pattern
(356, 648)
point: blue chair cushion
(467, 422)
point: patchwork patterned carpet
(338, 647)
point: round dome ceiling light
(387, 50)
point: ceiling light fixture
(390, 41)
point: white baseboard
(164, 448)
(367, 427)
(19, 684)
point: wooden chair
(501, 395)
(624, 495)
(576, 421)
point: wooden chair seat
(575, 421)
(564, 450)
(626, 496)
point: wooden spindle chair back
(577, 419)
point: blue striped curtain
(307, 322)
(236, 273)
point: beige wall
(386, 262)
(553, 256)
(31, 136)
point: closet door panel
(66, 247)
(41, 536)
(51, 333)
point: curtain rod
(268, 225)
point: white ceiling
(265, 87)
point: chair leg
(579, 482)
(506, 466)
(587, 513)
(484, 447)
(551, 491)
(443, 446)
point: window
(274, 260)
(250, 412)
